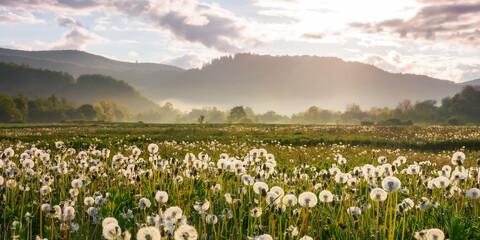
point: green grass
(292, 145)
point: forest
(461, 109)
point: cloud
(437, 66)
(314, 36)
(132, 54)
(76, 38)
(63, 21)
(14, 45)
(437, 20)
(206, 24)
(21, 16)
(186, 61)
(186, 20)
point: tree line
(19, 108)
(461, 109)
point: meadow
(190, 181)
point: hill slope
(286, 84)
(16, 79)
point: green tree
(21, 103)
(8, 110)
(236, 114)
(87, 111)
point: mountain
(78, 62)
(289, 83)
(21, 79)
(472, 82)
(285, 84)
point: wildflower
(259, 187)
(44, 190)
(354, 211)
(473, 193)
(378, 194)
(247, 180)
(186, 232)
(109, 220)
(325, 196)
(173, 214)
(111, 231)
(256, 212)
(211, 219)
(273, 198)
(144, 203)
(306, 238)
(382, 159)
(442, 182)
(307, 199)
(148, 233)
(153, 148)
(435, 234)
(290, 200)
(161, 197)
(201, 207)
(278, 190)
(458, 158)
(341, 178)
(391, 183)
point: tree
(404, 105)
(8, 110)
(201, 119)
(236, 114)
(21, 104)
(216, 116)
(312, 115)
(87, 111)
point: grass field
(154, 181)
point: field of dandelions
(182, 182)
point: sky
(438, 38)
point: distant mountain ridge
(285, 84)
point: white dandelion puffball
(265, 237)
(278, 190)
(144, 203)
(307, 199)
(186, 232)
(325, 196)
(161, 197)
(111, 231)
(306, 238)
(354, 211)
(391, 183)
(258, 187)
(378, 194)
(247, 180)
(341, 178)
(290, 200)
(382, 159)
(173, 213)
(442, 182)
(435, 234)
(148, 233)
(153, 148)
(458, 158)
(109, 220)
(256, 212)
(473, 193)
